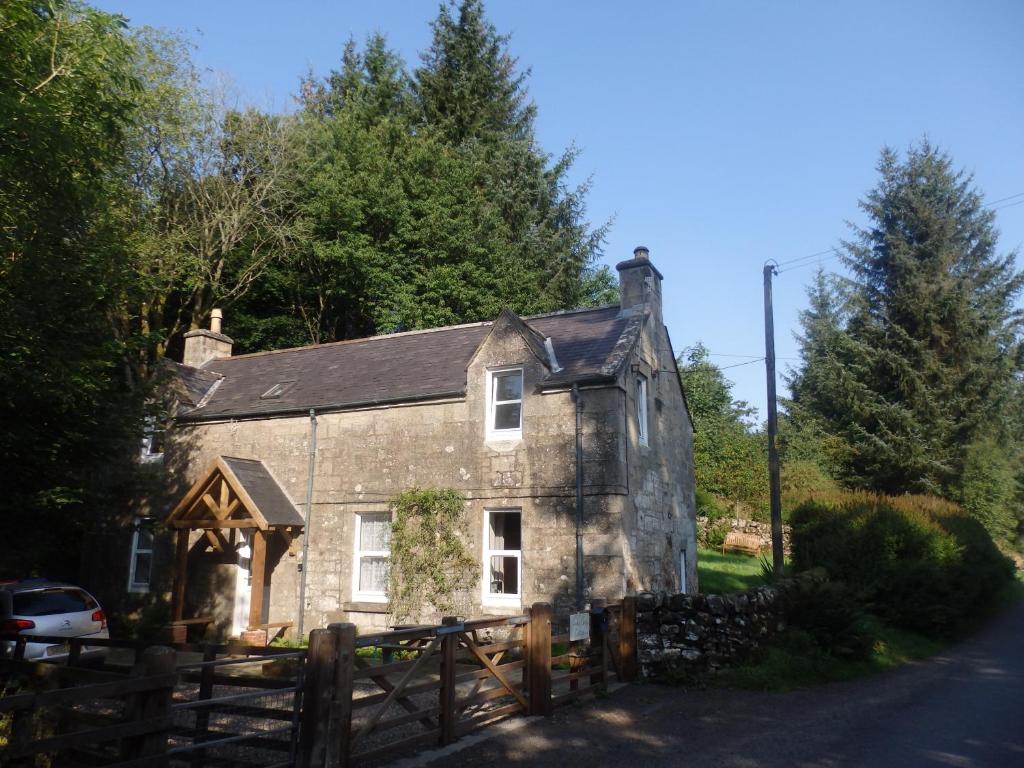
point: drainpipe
(309, 520)
(579, 496)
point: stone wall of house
(659, 516)
(638, 508)
(689, 637)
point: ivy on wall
(431, 563)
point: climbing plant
(430, 561)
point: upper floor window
(373, 548)
(641, 409)
(141, 564)
(152, 444)
(505, 403)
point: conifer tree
(911, 363)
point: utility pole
(773, 424)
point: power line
(1009, 205)
(816, 262)
(1004, 199)
(801, 258)
(830, 253)
(737, 365)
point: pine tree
(911, 362)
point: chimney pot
(641, 252)
(216, 317)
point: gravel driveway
(963, 708)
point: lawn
(720, 574)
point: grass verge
(720, 574)
(795, 660)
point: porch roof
(235, 493)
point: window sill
(365, 606)
(138, 589)
(501, 602)
(507, 438)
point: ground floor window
(141, 565)
(503, 554)
(373, 548)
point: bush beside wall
(917, 562)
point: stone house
(292, 455)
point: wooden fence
(347, 700)
(390, 692)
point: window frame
(487, 597)
(358, 554)
(642, 420)
(138, 587)
(493, 432)
(152, 427)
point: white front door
(243, 587)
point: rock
(646, 601)
(716, 605)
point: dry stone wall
(689, 637)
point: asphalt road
(964, 708)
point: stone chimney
(640, 284)
(202, 346)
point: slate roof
(276, 508)
(402, 367)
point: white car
(43, 607)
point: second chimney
(202, 346)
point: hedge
(918, 562)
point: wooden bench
(748, 543)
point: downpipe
(303, 566)
(579, 496)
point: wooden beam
(211, 504)
(196, 524)
(217, 540)
(225, 497)
(180, 575)
(259, 572)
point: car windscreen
(48, 602)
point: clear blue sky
(719, 134)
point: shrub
(918, 560)
(830, 613)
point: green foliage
(990, 489)
(424, 199)
(730, 460)
(430, 562)
(918, 562)
(912, 361)
(66, 96)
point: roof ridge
(419, 331)
(560, 312)
(363, 340)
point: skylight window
(277, 390)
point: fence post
(446, 695)
(145, 705)
(627, 640)
(598, 641)
(538, 659)
(205, 693)
(318, 688)
(339, 750)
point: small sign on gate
(579, 626)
